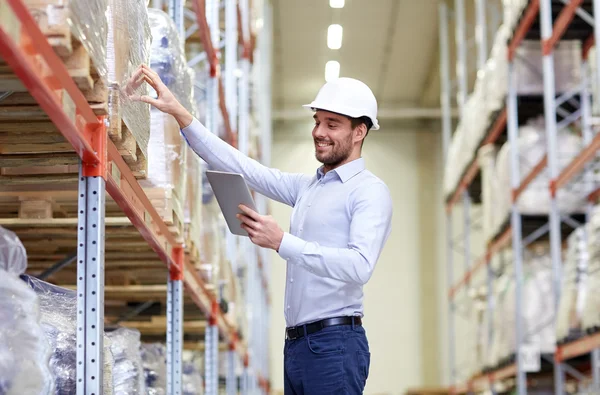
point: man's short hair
(355, 122)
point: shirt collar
(346, 171)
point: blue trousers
(334, 360)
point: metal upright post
(244, 130)
(461, 53)
(552, 154)
(211, 354)
(90, 274)
(481, 33)
(176, 12)
(212, 87)
(445, 97)
(467, 229)
(231, 380)
(517, 242)
(175, 323)
(597, 37)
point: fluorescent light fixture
(334, 36)
(332, 70)
(336, 3)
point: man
(340, 223)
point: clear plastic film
(167, 152)
(58, 308)
(535, 199)
(574, 286)
(128, 47)
(154, 361)
(13, 257)
(24, 350)
(591, 311)
(128, 373)
(192, 382)
(167, 58)
(84, 19)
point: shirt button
(291, 280)
(288, 307)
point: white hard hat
(347, 96)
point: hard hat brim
(314, 106)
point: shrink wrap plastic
(167, 59)
(537, 307)
(13, 257)
(58, 307)
(591, 312)
(191, 381)
(535, 200)
(154, 361)
(193, 199)
(128, 373)
(574, 286)
(128, 47)
(491, 88)
(85, 18)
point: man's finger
(150, 100)
(156, 81)
(247, 220)
(248, 229)
(249, 212)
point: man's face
(332, 135)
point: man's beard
(338, 153)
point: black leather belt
(296, 332)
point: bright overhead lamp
(334, 36)
(332, 70)
(336, 3)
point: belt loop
(353, 323)
(305, 331)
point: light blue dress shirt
(339, 225)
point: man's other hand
(262, 229)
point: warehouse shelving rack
(557, 20)
(103, 170)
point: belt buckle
(292, 333)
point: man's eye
(331, 126)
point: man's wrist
(183, 117)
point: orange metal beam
(27, 52)
(578, 163)
(497, 129)
(530, 177)
(577, 348)
(521, 31)
(560, 25)
(504, 373)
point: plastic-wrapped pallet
(167, 59)
(128, 47)
(24, 351)
(591, 312)
(167, 178)
(191, 380)
(486, 156)
(154, 361)
(193, 200)
(535, 200)
(58, 308)
(512, 11)
(538, 302)
(502, 287)
(574, 287)
(84, 19)
(128, 373)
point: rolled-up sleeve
(371, 211)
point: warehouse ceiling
(392, 45)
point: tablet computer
(231, 190)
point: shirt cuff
(291, 247)
(194, 133)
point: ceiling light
(336, 3)
(332, 70)
(334, 36)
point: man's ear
(360, 132)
